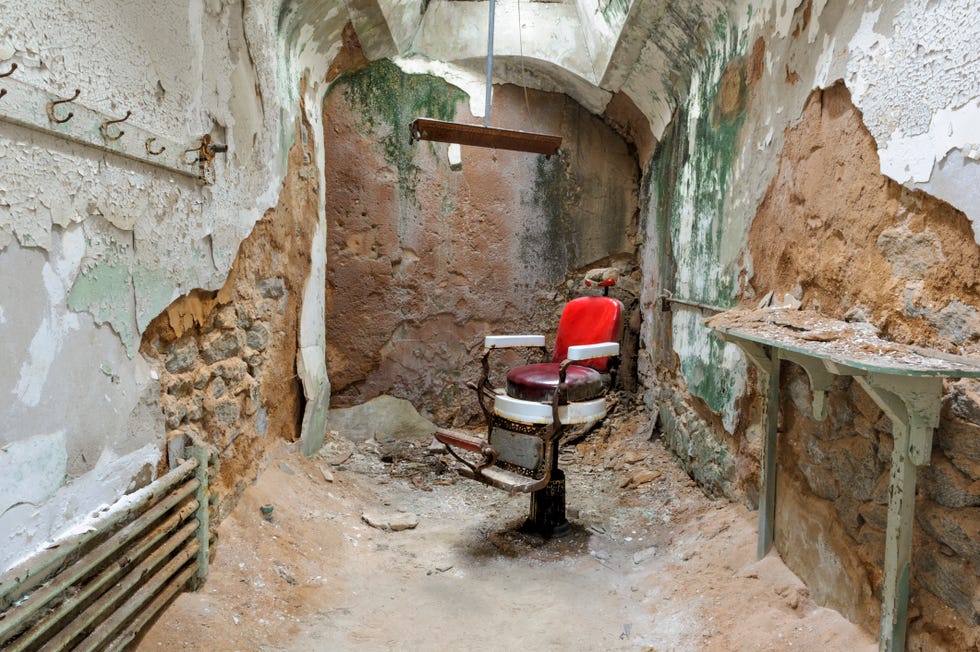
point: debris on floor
(379, 546)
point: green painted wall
(388, 101)
(693, 183)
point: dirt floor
(650, 563)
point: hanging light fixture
(485, 136)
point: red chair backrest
(588, 320)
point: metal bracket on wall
(907, 386)
(667, 298)
(26, 106)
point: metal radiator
(98, 590)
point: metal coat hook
(196, 151)
(203, 157)
(13, 67)
(51, 114)
(3, 91)
(149, 147)
(104, 127)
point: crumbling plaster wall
(716, 160)
(909, 72)
(907, 262)
(93, 247)
(228, 359)
(433, 259)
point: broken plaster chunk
(639, 477)
(393, 521)
(766, 300)
(789, 302)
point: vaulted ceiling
(588, 49)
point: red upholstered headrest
(588, 320)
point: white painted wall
(92, 246)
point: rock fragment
(391, 521)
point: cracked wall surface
(906, 262)
(94, 246)
(730, 180)
(227, 359)
(434, 259)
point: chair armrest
(508, 341)
(463, 440)
(590, 351)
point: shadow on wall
(227, 359)
(423, 261)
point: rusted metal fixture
(203, 157)
(17, 581)
(485, 136)
(151, 151)
(53, 117)
(98, 590)
(30, 107)
(668, 298)
(477, 136)
(13, 67)
(104, 127)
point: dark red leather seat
(537, 382)
(586, 320)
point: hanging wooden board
(480, 136)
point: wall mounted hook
(104, 127)
(13, 67)
(154, 152)
(53, 117)
(3, 91)
(196, 151)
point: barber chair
(527, 418)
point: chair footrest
(514, 483)
(462, 440)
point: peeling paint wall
(228, 360)
(94, 246)
(714, 166)
(906, 262)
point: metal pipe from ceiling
(489, 98)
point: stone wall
(873, 250)
(424, 261)
(761, 181)
(227, 360)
